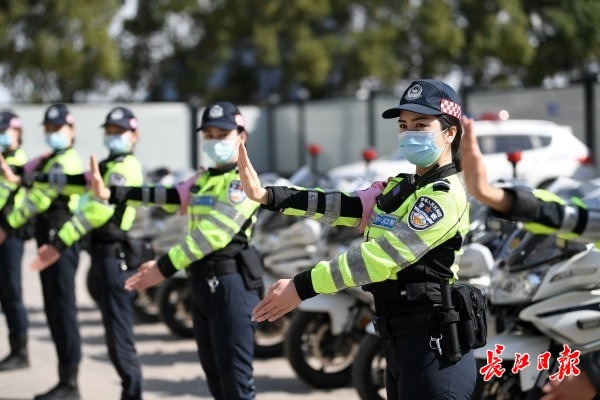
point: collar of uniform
(222, 169)
(9, 153)
(117, 156)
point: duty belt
(205, 268)
(389, 326)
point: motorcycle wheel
(269, 337)
(318, 357)
(506, 387)
(174, 299)
(368, 370)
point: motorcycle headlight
(515, 287)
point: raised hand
(281, 299)
(7, 172)
(47, 255)
(249, 178)
(148, 275)
(96, 182)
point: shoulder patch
(116, 180)
(235, 193)
(443, 185)
(425, 213)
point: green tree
(567, 38)
(57, 50)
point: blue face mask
(118, 144)
(5, 141)
(220, 151)
(419, 147)
(57, 140)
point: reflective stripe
(221, 225)
(57, 179)
(81, 224)
(203, 244)
(333, 205)
(188, 252)
(313, 201)
(412, 241)
(336, 274)
(392, 252)
(232, 213)
(570, 217)
(160, 195)
(145, 194)
(357, 266)
(29, 207)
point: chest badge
(235, 193)
(424, 214)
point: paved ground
(170, 366)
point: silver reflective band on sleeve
(410, 238)
(392, 252)
(145, 195)
(357, 266)
(336, 274)
(569, 222)
(231, 213)
(160, 195)
(81, 223)
(29, 207)
(592, 228)
(333, 205)
(313, 200)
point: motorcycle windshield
(523, 250)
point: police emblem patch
(215, 112)
(424, 214)
(116, 180)
(235, 193)
(414, 92)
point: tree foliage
(57, 50)
(265, 50)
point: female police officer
(543, 213)
(221, 221)
(11, 251)
(413, 238)
(110, 244)
(51, 208)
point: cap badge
(53, 112)
(414, 92)
(117, 114)
(216, 112)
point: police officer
(52, 210)
(11, 251)
(109, 244)
(224, 271)
(413, 231)
(543, 213)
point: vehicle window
(504, 144)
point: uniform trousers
(11, 294)
(224, 335)
(116, 305)
(58, 289)
(415, 371)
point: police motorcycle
(545, 295)
(476, 262)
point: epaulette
(442, 184)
